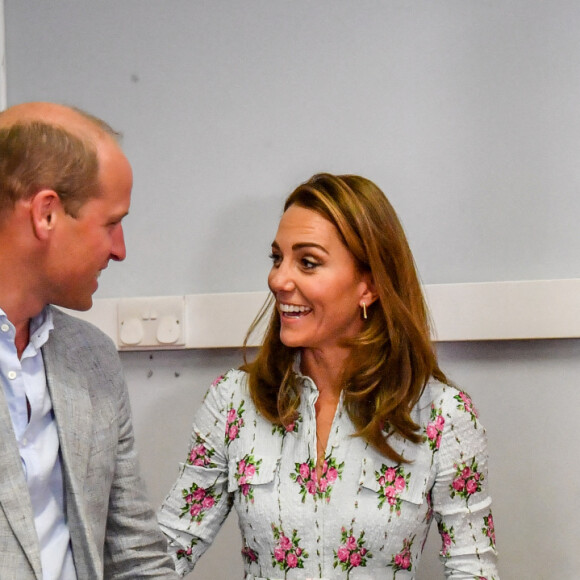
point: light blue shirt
(37, 437)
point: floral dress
(365, 517)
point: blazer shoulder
(68, 326)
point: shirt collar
(40, 327)
(306, 381)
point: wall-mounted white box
(151, 322)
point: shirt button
(4, 328)
(11, 375)
(24, 442)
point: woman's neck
(326, 369)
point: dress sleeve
(199, 502)
(460, 494)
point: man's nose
(118, 250)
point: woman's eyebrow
(301, 245)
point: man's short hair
(36, 155)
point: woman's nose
(281, 279)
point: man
(72, 504)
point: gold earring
(364, 309)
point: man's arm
(134, 545)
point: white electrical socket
(151, 322)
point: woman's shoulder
(231, 379)
(229, 386)
(447, 400)
(246, 429)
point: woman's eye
(276, 258)
(309, 263)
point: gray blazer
(113, 529)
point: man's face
(83, 245)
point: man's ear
(44, 209)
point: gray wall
(466, 113)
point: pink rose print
(291, 560)
(447, 538)
(249, 555)
(352, 552)
(290, 428)
(207, 502)
(217, 381)
(434, 428)
(306, 477)
(198, 501)
(400, 483)
(285, 543)
(471, 486)
(200, 455)
(343, 553)
(246, 469)
(404, 559)
(465, 404)
(234, 422)
(181, 553)
(467, 480)
(489, 529)
(332, 474)
(287, 553)
(392, 481)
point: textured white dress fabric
(365, 517)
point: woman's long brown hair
(393, 357)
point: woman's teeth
(294, 309)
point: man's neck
(20, 318)
(22, 337)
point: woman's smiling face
(315, 280)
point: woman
(342, 439)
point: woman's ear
(44, 208)
(369, 293)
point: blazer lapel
(72, 410)
(14, 497)
(73, 413)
